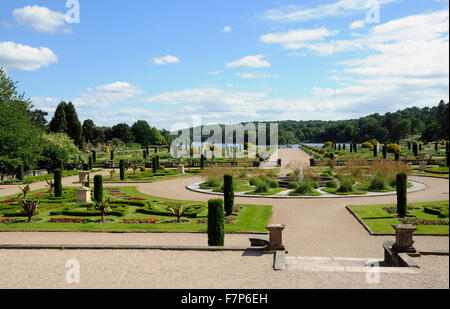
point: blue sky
(227, 61)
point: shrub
(122, 169)
(328, 145)
(315, 185)
(154, 167)
(331, 184)
(261, 187)
(216, 218)
(367, 145)
(378, 183)
(346, 184)
(98, 188)
(393, 148)
(57, 175)
(304, 187)
(142, 169)
(293, 185)
(90, 162)
(401, 183)
(325, 174)
(20, 172)
(274, 184)
(94, 156)
(228, 194)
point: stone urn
(83, 176)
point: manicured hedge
(216, 221)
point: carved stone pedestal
(83, 195)
(276, 236)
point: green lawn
(380, 221)
(250, 218)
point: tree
(89, 131)
(59, 147)
(58, 124)
(123, 132)
(38, 118)
(142, 133)
(156, 137)
(73, 125)
(401, 129)
(20, 138)
(432, 132)
(442, 116)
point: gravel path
(192, 270)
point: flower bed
(140, 221)
(7, 220)
(68, 220)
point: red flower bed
(135, 199)
(68, 220)
(140, 221)
(7, 220)
(9, 201)
(39, 194)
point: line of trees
(429, 123)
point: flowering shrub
(367, 145)
(328, 145)
(140, 221)
(393, 148)
(68, 220)
(135, 199)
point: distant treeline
(428, 123)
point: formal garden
(119, 209)
(304, 180)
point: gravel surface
(193, 270)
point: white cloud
(25, 58)
(296, 13)
(297, 38)
(250, 62)
(166, 60)
(357, 24)
(41, 19)
(250, 75)
(227, 29)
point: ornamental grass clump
(274, 184)
(305, 187)
(331, 184)
(346, 184)
(293, 185)
(262, 187)
(378, 183)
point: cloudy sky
(227, 61)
